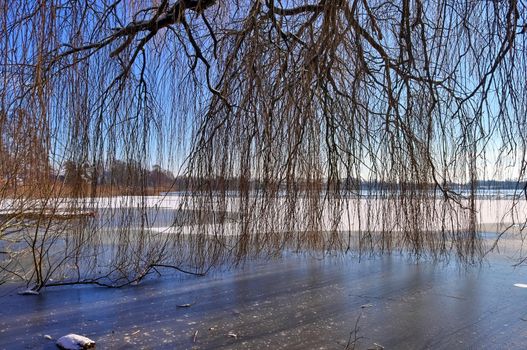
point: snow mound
(75, 342)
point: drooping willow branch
(333, 125)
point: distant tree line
(118, 173)
(233, 184)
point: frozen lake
(294, 302)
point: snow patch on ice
(75, 342)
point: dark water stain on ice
(296, 302)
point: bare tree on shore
(301, 102)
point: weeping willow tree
(307, 125)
